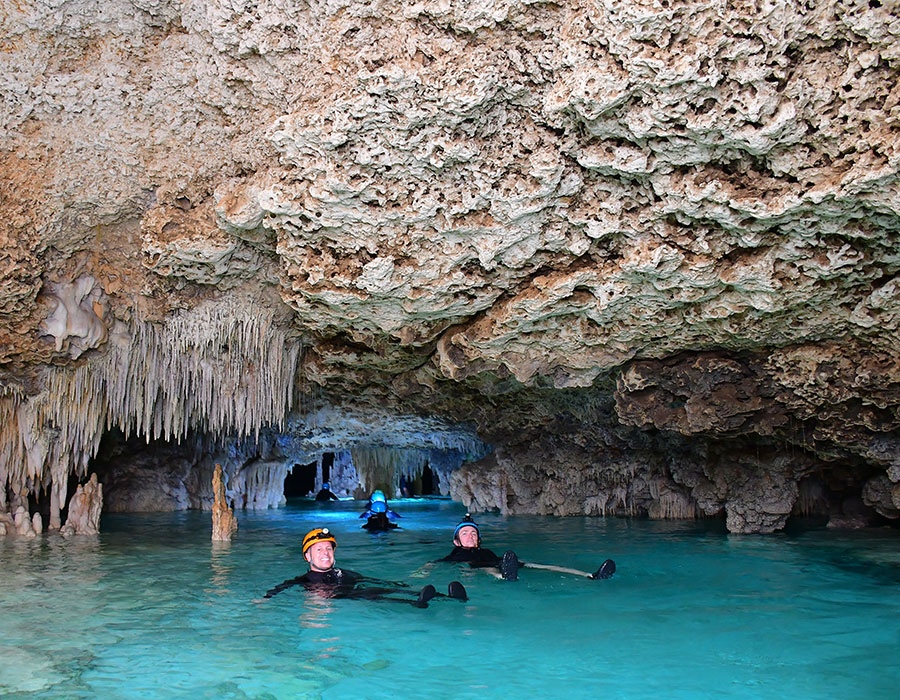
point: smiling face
(467, 537)
(320, 556)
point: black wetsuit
(343, 583)
(326, 495)
(379, 521)
(476, 557)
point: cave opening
(327, 464)
(427, 479)
(422, 485)
(39, 501)
(301, 480)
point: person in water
(379, 521)
(325, 494)
(373, 507)
(328, 581)
(467, 549)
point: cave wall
(225, 217)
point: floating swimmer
(324, 579)
(467, 549)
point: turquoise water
(151, 609)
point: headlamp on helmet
(467, 522)
(318, 535)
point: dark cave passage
(300, 481)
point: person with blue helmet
(325, 494)
(378, 504)
(325, 579)
(467, 549)
(379, 521)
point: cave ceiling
(605, 221)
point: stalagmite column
(55, 521)
(24, 525)
(224, 524)
(84, 509)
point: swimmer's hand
(422, 571)
(259, 600)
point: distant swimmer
(325, 494)
(378, 504)
(467, 549)
(326, 580)
(379, 521)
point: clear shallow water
(152, 609)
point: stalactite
(672, 506)
(342, 476)
(223, 368)
(382, 467)
(811, 498)
(261, 484)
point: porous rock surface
(648, 249)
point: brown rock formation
(224, 524)
(647, 250)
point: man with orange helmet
(326, 579)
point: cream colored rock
(24, 527)
(444, 203)
(84, 509)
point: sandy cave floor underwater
(152, 609)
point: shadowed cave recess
(605, 259)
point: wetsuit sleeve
(475, 557)
(284, 585)
(369, 581)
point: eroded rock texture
(647, 249)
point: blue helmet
(377, 496)
(379, 507)
(467, 522)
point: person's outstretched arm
(381, 582)
(283, 586)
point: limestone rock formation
(224, 524)
(645, 249)
(85, 507)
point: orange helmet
(318, 535)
